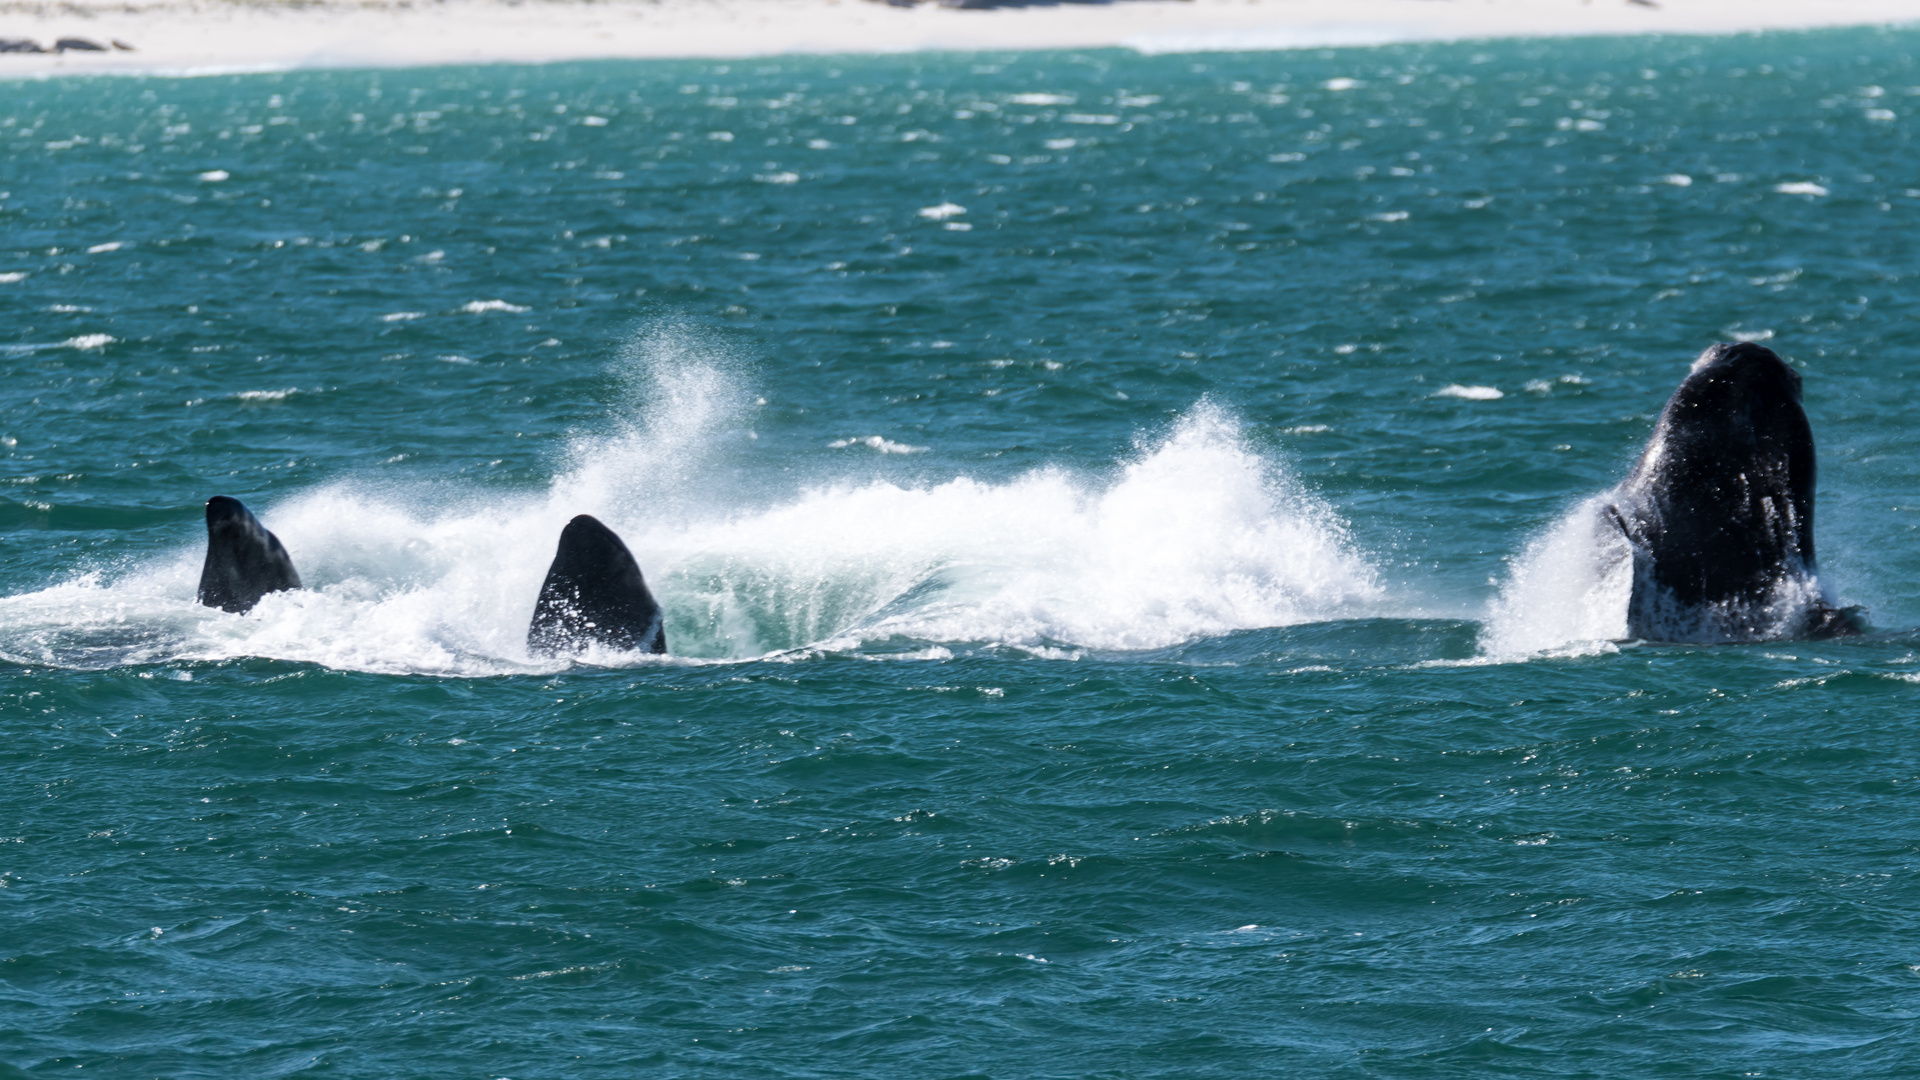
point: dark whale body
(1718, 513)
(244, 561)
(594, 595)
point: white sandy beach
(171, 36)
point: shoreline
(169, 37)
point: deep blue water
(1113, 519)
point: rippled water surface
(1112, 518)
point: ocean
(1112, 516)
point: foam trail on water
(1195, 534)
(1568, 591)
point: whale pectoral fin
(244, 561)
(594, 594)
(1619, 522)
(1639, 597)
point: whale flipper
(244, 561)
(1718, 512)
(594, 594)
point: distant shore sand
(170, 36)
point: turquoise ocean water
(1112, 515)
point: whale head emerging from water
(594, 595)
(1718, 513)
(244, 561)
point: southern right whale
(1718, 512)
(594, 595)
(244, 561)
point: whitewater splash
(1196, 534)
(1569, 592)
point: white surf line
(184, 37)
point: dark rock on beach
(65, 44)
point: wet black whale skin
(1719, 509)
(244, 561)
(594, 594)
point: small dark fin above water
(594, 595)
(1832, 622)
(244, 561)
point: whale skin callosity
(244, 561)
(594, 595)
(1718, 512)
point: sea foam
(1195, 533)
